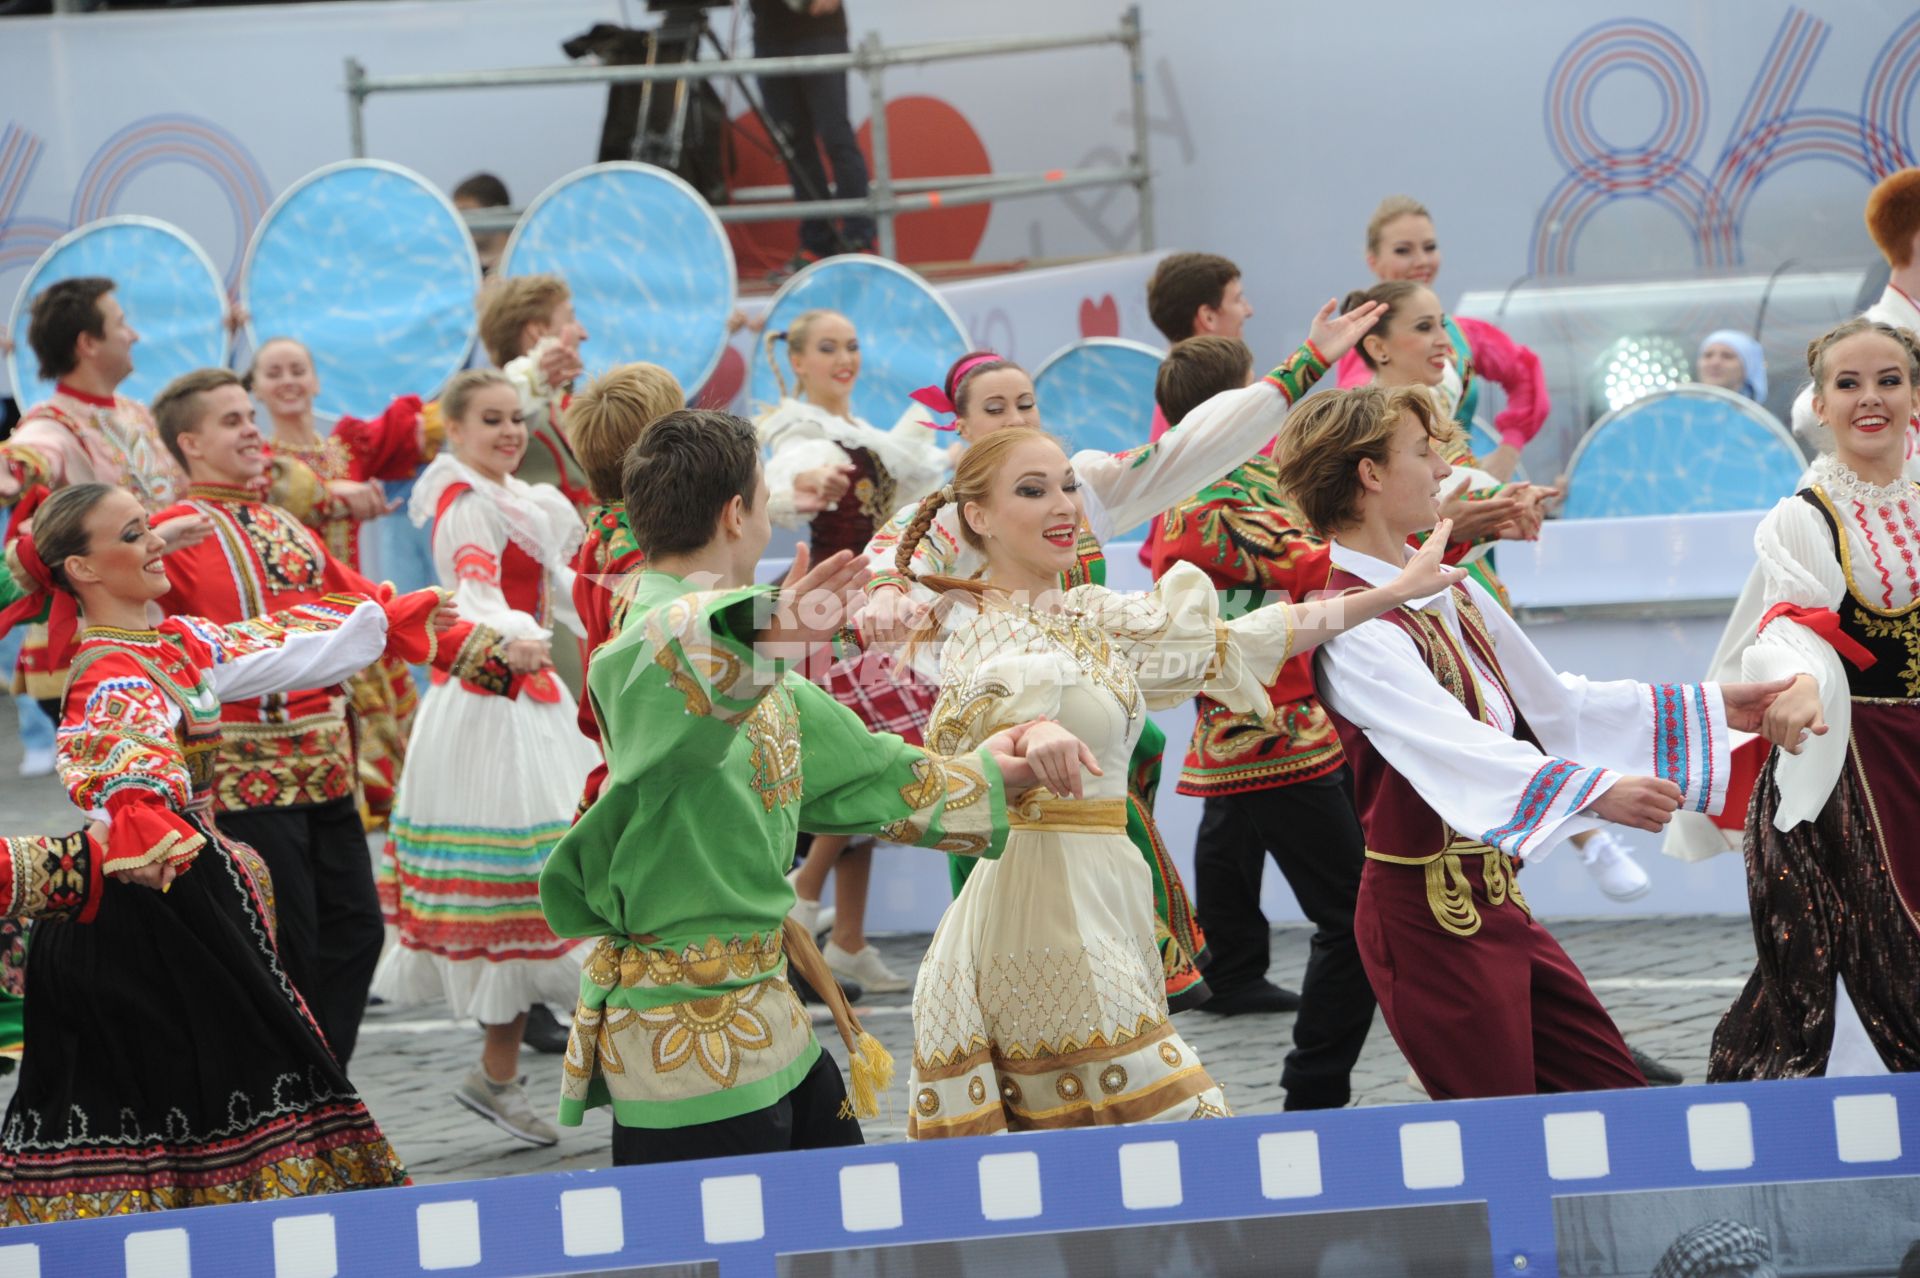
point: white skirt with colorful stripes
(490, 786)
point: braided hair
(972, 482)
(1817, 349)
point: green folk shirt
(716, 759)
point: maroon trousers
(1500, 1012)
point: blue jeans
(812, 111)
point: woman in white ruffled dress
(491, 781)
(840, 478)
(1041, 1002)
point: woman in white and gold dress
(1041, 1002)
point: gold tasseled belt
(1450, 892)
(1040, 810)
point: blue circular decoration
(169, 288)
(1684, 451)
(648, 264)
(909, 336)
(369, 265)
(1098, 393)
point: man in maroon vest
(1471, 755)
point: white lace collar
(1842, 484)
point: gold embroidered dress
(716, 758)
(1041, 1002)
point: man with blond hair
(530, 331)
(603, 422)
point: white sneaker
(1614, 868)
(865, 967)
(506, 1106)
(810, 915)
(37, 762)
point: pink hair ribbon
(936, 397)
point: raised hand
(559, 364)
(187, 530)
(814, 601)
(1642, 803)
(1477, 520)
(1788, 717)
(1334, 335)
(1041, 752)
(1425, 575)
(891, 616)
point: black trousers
(1313, 834)
(811, 1116)
(329, 913)
(812, 111)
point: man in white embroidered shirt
(1470, 756)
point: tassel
(872, 1074)
(870, 1064)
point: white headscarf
(1752, 358)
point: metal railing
(887, 196)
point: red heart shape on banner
(1100, 319)
(724, 383)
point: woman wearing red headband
(172, 1063)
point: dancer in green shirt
(717, 757)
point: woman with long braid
(985, 394)
(1041, 1002)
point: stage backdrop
(1558, 137)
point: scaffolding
(887, 196)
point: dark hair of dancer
(1394, 293)
(1181, 285)
(59, 316)
(1196, 370)
(60, 529)
(681, 473)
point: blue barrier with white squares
(802, 1213)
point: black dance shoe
(1657, 1074)
(544, 1031)
(1261, 996)
(810, 995)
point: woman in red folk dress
(492, 782)
(173, 1065)
(332, 482)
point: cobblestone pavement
(1665, 980)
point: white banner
(1552, 137)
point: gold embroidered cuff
(953, 808)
